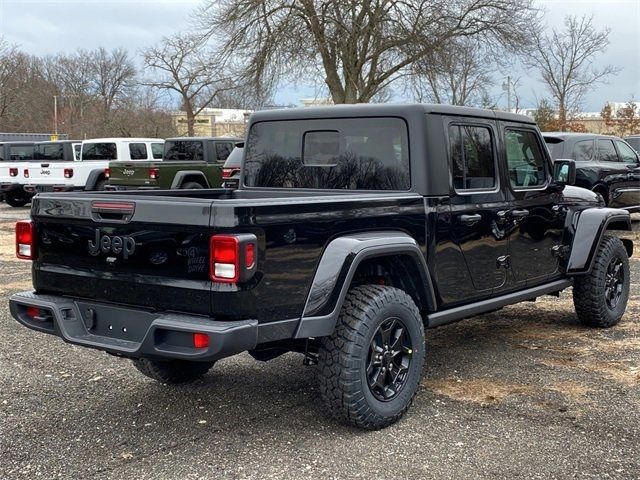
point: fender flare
(336, 269)
(93, 177)
(590, 228)
(180, 176)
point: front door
(477, 200)
(535, 219)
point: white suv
(88, 173)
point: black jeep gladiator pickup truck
(353, 230)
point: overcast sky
(51, 26)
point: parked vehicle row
(353, 229)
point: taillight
(13, 172)
(229, 172)
(68, 172)
(107, 172)
(154, 173)
(26, 173)
(233, 258)
(25, 240)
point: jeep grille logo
(114, 244)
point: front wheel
(369, 369)
(172, 371)
(600, 298)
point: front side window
(606, 151)
(338, 153)
(184, 150)
(137, 151)
(472, 157)
(627, 154)
(99, 151)
(525, 161)
(48, 152)
(157, 149)
(583, 151)
(223, 150)
(21, 152)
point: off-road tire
(342, 357)
(15, 200)
(589, 291)
(100, 185)
(172, 371)
(191, 185)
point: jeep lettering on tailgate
(113, 244)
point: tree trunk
(191, 119)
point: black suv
(354, 229)
(605, 164)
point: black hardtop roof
(204, 139)
(19, 142)
(576, 135)
(383, 109)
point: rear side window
(555, 146)
(21, 152)
(137, 151)
(627, 154)
(49, 152)
(223, 150)
(99, 151)
(525, 160)
(185, 150)
(157, 149)
(583, 151)
(472, 157)
(606, 151)
(76, 151)
(345, 153)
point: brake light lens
(13, 172)
(200, 340)
(25, 240)
(229, 172)
(249, 255)
(107, 172)
(26, 173)
(154, 173)
(68, 172)
(233, 258)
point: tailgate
(150, 252)
(47, 172)
(131, 174)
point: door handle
(470, 219)
(519, 213)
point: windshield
(48, 151)
(186, 150)
(348, 153)
(99, 151)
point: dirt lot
(521, 393)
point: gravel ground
(525, 392)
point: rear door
(477, 202)
(628, 195)
(534, 220)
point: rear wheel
(17, 198)
(600, 298)
(191, 185)
(172, 371)
(369, 369)
(101, 184)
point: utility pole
(55, 114)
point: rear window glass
(472, 157)
(352, 153)
(235, 158)
(77, 149)
(157, 149)
(583, 151)
(223, 150)
(185, 150)
(555, 146)
(137, 151)
(99, 151)
(21, 152)
(49, 152)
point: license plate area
(118, 323)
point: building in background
(32, 137)
(214, 122)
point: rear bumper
(132, 332)
(8, 187)
(29, 188)
(118, 188)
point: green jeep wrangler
(187, 162)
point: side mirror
(564, 172)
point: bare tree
(182, 65)
(461, 74)
(359, 46)
(113, 75)
(565, 60)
